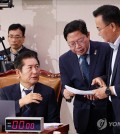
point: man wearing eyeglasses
(16, 38)
(107, 19)
(86, 113)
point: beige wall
(45, 21)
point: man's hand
(68, 94)
(100, 93)
(31, 97)
(90, 97)
(98, 81)
(97, 94)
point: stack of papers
(77, 91)
(49, 125)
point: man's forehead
(30, 61)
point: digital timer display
(23, 125)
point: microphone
(7, 55)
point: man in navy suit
(40, 101)
(16, 38)
(86, 113)
(107, 18)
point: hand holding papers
(77, 91)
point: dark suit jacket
(22, 50)
(47, 108)
(10, 65)
(116, 82)
(71, 75)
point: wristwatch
(108, 91)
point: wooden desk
(63, 129)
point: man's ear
(88, 35)
(113, 26)
(17, 73)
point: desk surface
(63, 129)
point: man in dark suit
(107, 18)
(16, 38)
(86, 113)
(40, 101)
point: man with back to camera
(86, 113)
(107, 19)
(16, 38)
(32, 99)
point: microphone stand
(7, 56)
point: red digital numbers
(22, 125)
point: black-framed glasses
(78, 42)
(100, 29)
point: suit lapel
(109, 68)
(16, 94)
(36, 88)
(94, 52)
(75, 65)
(116, 64)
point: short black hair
(18, 63)
(110, 13)
(17, 26)
(76, 25)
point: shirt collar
(24, 88)
(17, 50)
(115, 45)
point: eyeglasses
(78, 42)
(15, 37)
(103, 28)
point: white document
(49, 125)
(77, 91)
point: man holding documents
(107, 19)
(84, 61)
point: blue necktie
(84, 67)
(27, 91)
(26, 108)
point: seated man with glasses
(16, 38)
(79, 66)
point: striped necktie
(84, 67)
(26, 108)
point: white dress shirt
(114, 46)
(22, 88)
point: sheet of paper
(77, 91)
(48, 125)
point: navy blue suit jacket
(47, 108)
(115, 81)
(71, 75)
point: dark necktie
(26, 108)
(27, 91)
(84, 67)
(15, 55)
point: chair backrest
(46, 78)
